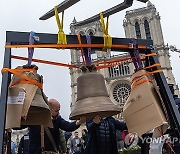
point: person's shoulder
(177, 99)
(111, 118)
(59, 118)
(89, 121)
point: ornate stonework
(117, 78)
(150, 14)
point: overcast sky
(23, 15)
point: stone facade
(139, 23)
(152, 28)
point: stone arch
(137, 30)
(90, 31)
(136, 20)
(146, 23)
(81, 32)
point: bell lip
(90, 116)
(104, 109)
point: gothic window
(147, 29)
(138, 30)
(91, 33)
(121, 92)
(119, 70)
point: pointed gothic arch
(138, 30)
(81, 32)
(90, 31)
(147, 29)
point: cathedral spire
(74, 20)
(149, 4)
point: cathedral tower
(144, 23)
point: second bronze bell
(27, 103)
(93, 98)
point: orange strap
(157, 71)
(151, 66)
(114, 60)
(70, 46)
(82, 52)
(107, 65)
(19, 82)
(16, 72)
(46, 62)
(151, 54)
(139, 82)
(125, 59)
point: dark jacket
(102, 137)
(35, 137)
(85, 139)
(24, 145)
(67, 135)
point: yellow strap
(61, 35)
(107, 37)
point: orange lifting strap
(71, 46)
(115, 62)
(140, 82)
(99, 65)
(82, 51)
(46, 62)
(26, 79)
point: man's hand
(81, 120)
(97, 119)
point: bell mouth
(92, 106)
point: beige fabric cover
(34, 110)
(143, 111)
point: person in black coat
(23, 147)
(102, 135)
(58, 122)
(84, 139)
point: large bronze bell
(33, 110)
(92, 98)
